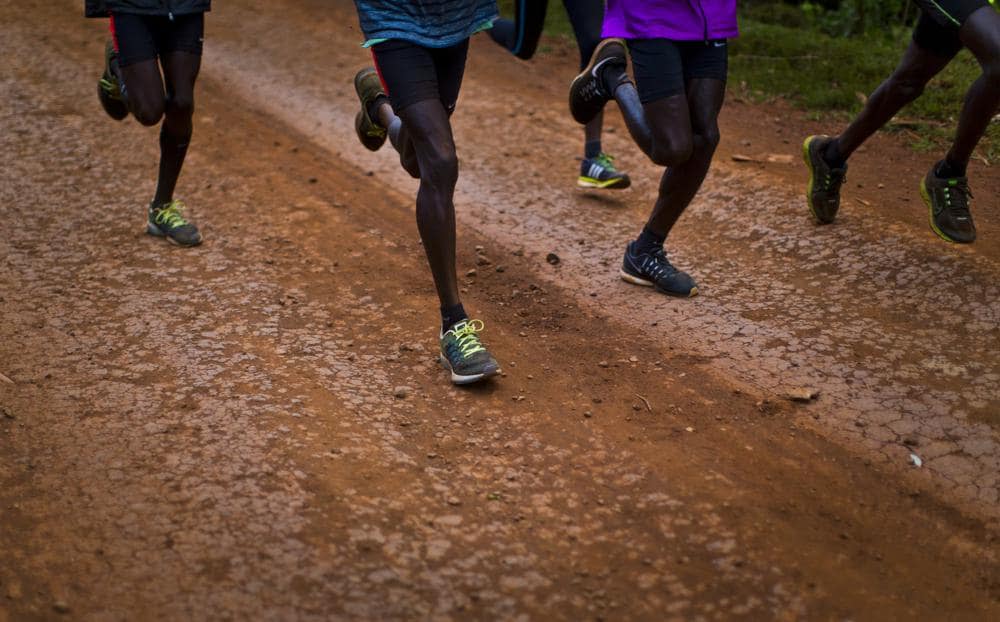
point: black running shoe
(653, 269)
(167, 221)
(109, 87)
(369, 88)
(587, 94)
(465, 356)
(823, 194)
(600, 172)
(948, 204)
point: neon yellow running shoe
(465, 356)
(600, 172)
(167, 221)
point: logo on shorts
(719, 44)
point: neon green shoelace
(171, 215)
(468, 340)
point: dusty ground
(215, 433)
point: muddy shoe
(600, 172)
(587, 93)
(167, 221)
(655, 270)
(369, 88)
(109, 87)
(463, 354)
(823, 194)
(948, 205)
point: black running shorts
(145, 37)
(411, 73)
(937, 29)
(663, 67)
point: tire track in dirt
(860, 312)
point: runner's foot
(587, 93)
(600, 172)
(167, 221)
(463, 354)
(948, 205)
(369, 88)
(109, 87)
(653, 269)
(823, 194)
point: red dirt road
(257, 428)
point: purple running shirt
(678, 20)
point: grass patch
(825, 74)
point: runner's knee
(180, 105)
(906, 86)
(440, 167)
(991, 71)
(673, 152)
(705, 143)
(146, 111)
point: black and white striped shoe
(653, 269)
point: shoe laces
(466, 338)
(657, 264)
(606, 161)
(171, 214)
(961, 196)
(834, 178)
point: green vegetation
(798, 51)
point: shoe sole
(585, 74)
(812, 176)
(644, 283)
(155, 231)
(363, 114)
(926, 196)
(460, 379)
(611, 184)
(114, 108)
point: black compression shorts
(940, 20)
(663, 67)
(411, 73)
(145, 37)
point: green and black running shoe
(600, 172)
(465, 356)
(167, 221)
(109, 87)
(948, 205)
(823, 194)
(369, 88)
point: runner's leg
(586, 17)
(180, 71)
(919, 64)
(520, 35)
(430, 131)
(681, 181)
(981, 34)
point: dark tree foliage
(836, 17)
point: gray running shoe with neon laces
(465, 356)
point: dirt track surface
(257, 428)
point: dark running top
(427, 23)
(102, 8)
